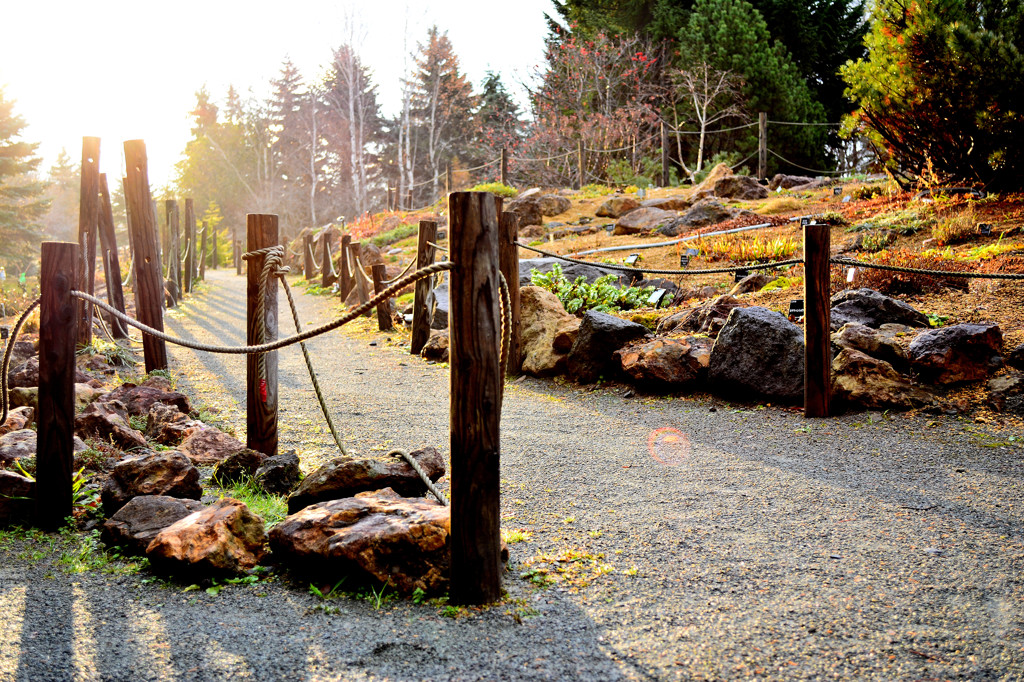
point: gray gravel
(866, 546)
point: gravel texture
(687, 539)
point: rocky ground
(651, 537)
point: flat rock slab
(210, 446)
(140, 399)
(224, 538)
(153, 473)
(135, 525)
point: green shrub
(877, 240)
(395, 235)
(594, 190)
(578, 297)
(956, 228)
(496, 188)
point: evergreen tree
(64, 190)
(941, 89)
(291, 148)
(22, 200)
(498, 121)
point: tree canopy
(22, 199)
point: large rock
(167, 425)
(379, 536)
(154, 473)
(15, 445)
(27, 375)
(107, 420)
(224, 538)
(138, 400)
(616, 207)
(717, 173)
(740, 187)
(704, 212)
(1015, 358)
(238, 466)
(439, 316)
(708, 318)
(135, 524)
(642, 220)
(788, 181)
(542, 315)
(552, 204)
(666, 363)
(17, 497)
(528, 210)
(755, 281)
(873, 309)
(347, 476)
(17, 419)
(758, 352)
(210, 445)
(436, 347)
(565, 334)
(865, 381)
(667, 203)
(279, 474)
(590, 273)
(959, 353)
(878, 343)
(600, 335)
(1006, 393)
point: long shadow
(47, 633)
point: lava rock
(599, 336)
(740, 187)
(135, 524)
(542, 316)
(278, 475)
(238, 466)
(17, 419)
(616, 207)
(167, 425)
(107, 420)
(436, 347)
(959, 353)
(154, 473)
(209, 445)
(666, 363)
(641, 220)
(873, 309)
(758, 352)
(222, 539)
(138, 400)
(868, 382)
(15, 445)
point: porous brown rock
(167, 425)
(436, 347)
(107, 420)
(666, 363)
(714, 175)
(210, 445)
(139, 399)
(641, 220)
(347, 476)
(17, 419)
(27, 375)
(674, 203)
(956, 354)
(152, 473)
(135, 524)
(878, 343)
(224, 538)
(708, 318)
(861, 380)
(238, 466)
(552, 204)
(616, 207)
(380, 535)
(600, 335)
(755, 281)
(15, 445)
(788, 181)
(280, 474)
(542, 315)
(742, 187)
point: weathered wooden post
(202, 255)
(174, 245)
(111, 264)
(237, 249)
(665, 175)
(88, 219)
(325, 260)
(448, 186)
(345, 273)
(423, 298)
(508, 257)
(762, 145)
(408, 200)
(149, 286)
(307, 258)
(384, 322)
(476, 386)
(504, 166)
(355, 251)
(190, 247)
(261, 389)
(58, 328)
(214, 256)
(817, 322)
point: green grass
(271, 508)
(397, 234)
(496, 188)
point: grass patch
(395, 235)
(271, 508)
(780, 205)
(956, 228)
(496, 188)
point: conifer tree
(22, 200)
(61, 221)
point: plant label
(796, 307)
(984, 229)
(836, 191)
(656, 296)
(684, 261)
(632, 259)
(850, 274)
(804, 222)
(740, 274)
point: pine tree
(61, 221)
(22, 200)
(498, 121)
(291, 148)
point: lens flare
(668, 446)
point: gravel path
(696, 539)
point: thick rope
(651, 271)
(273, 265)
(437, 246)
(401, 274)
(422, 474)
(850, 262)
(5, 367)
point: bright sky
(129, 69)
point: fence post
(817, 322)
(665, 176)
(214, 258)
(190, 247)
(149, 285)
(173, 245)
(325, 264)
(237, 247)
(261, 391)
(355, 251)
(423, 298)
(202, 255)
(504, 166)
(307, 257)
(508, 257)
(475, 329)
(762, 145)
(384, 307)
(344, 276)
(88, 218)
(58, 329)
(111, 264)
(408, 200)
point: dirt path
(687, 539)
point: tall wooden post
(408, 200)
(58, 327)
(111, 264)
(88, 219)
(307, 258)
(237, 249)
(476, 385)
(261, 391)
(504, 166)
(174, 244)
(345, 267)
(149, 286)
(817, 322)
(579, 164)
(423, 299)
(355, 252)
(325, 260)
(384, 322)
(665, 175)
(202, 255)
(508, 259)
(189, 269)
(762, 145)
(214, 256)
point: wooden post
(424, 298)
(88, 219)
(762, 146)
(111, 264)
(307, 258)
(408, 200)
(384, 322)
(174, 245)
(358, 276)
(392, 194)
(214, 256)
(237, 249)
(261, 391)
(344, 267)
(55, 425)
(326, 279)
(190, 247)
(504, 166)
(202, 255)
(579, 163)
(508, 261)
(149, 286)
(665, 175)
(475, 329)
(817, 322)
